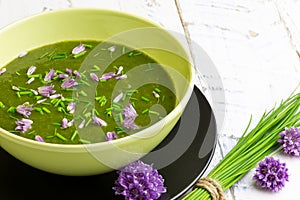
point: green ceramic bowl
(95, 24)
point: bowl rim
(104, 144)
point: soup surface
(76, 92)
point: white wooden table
(254, 45)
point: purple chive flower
(139, 181)
(290, 140)
(82, 124)
(65, 123)
(63, 76)
(118, 98)
(99, 121)
(69, 83)
(24, 53)
(94, 77)
(271, 174)
(120, 69)
(15, 88)
(71, 107)
(24, 109)
(31, 70)
(30, 81)
(34, 92)
(2, 71)
(49, 76)
(46, 90)
(121, 77)
(78, 49)
(129, 114)
(39, 138)
(107, 76)
(77, 74)
(54, 96)
(23, 125)
(111, 136)
(41, 101)
(111, 49)
(69, 71)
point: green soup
(76, 92)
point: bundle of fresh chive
(253, 146)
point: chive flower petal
(129, 114)
(69, 71)
(46, 90)
(71, 107)
(49, 76)
(23, 125)
(118, 98)
(63, 76)
(120, 69)
(111, 49)
(107, 76)
(24, 53)
(99, 121)
(124, 76)
(31, 70)
(69, 83)
(77, 74)
(2, 71)
(78, 49)
(139, 181)
(290, 141)
(24, 109)
(39, 138)
(111, 136)
(94, 77)
(271, 174)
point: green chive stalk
(253, 146)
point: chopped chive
(57, 103)
(44, 55)
(59, 72)
(30, 133)
(85, 141)
(133, 104)
(145, 99)
(68, 100)
(103, 80)
(18, 94)
(50, 136)
(130, 54)
(137, 54)
(95, 111)
(37, 109)
(74, 135)
(14, 131)
(11, 109)
(58, 57)
(157, 90)
(13, 117)
(79, 54)
(51, 54)
(134, 99)
(18, 73)
(123, 50)
(88, 45)
(60, 137)
(145, 111)
(53, 101)
(117, 110)
(85, 83)
(132, 91)
(38, 97)
(121, 117)
(46, 110)
(69, 89)
(153, 112)
(117, 105)
(41, 112)
(56, 124)
(88, 122)
(83, 93)
(62, 104)
(25, 93)
(22, 88)
(87, 105)
(103, 103)
(96, 67)
(163, 99)
(84, 110)
(33, 76)
(108, 113)
(84, 101)
(87, 115)
(62, 53)
(45, 103)
(2, 104)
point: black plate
(181, 159)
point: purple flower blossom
(271, 174)
(118, 98)
(99, 121)
(23, 125)
(49, 76)
(111, 136)
(46, 90)
(77, 74)
(2, 71)
(24, 109)
(78, 49)
(107, 76)
(290, 140)
(94, 77)
(121, 77)
(63, 76)
(129, 114)
(120, 69)
(31, 70)
(39, 138)
(82, 124)
(139, 181)
(69, 71)
(71, 107)
(24, 53)
(65, 123)
(69, 83)
(41, 101)
(30, 81)
(54, 96)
